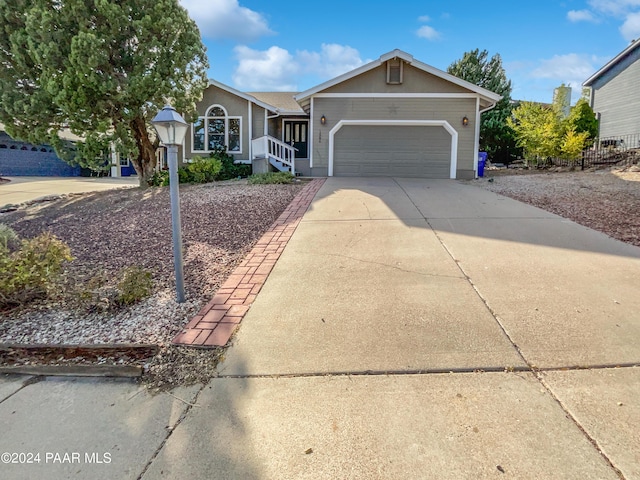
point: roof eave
(589, 81)
(304, 97)
(246, 96)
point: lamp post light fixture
(171, 128)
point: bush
(229, 169)
(8, 237)
(160, 179)
(100, 293)
(135, 285)
(271, 178)
(28, 273)
(201, 170)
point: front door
(296, 134)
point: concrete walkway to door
(410, 329)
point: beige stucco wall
(414, 81)
(236, 107)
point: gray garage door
(401, 151)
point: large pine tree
(102, 68)
(496, 137)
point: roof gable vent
(394, 71)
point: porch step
(280, 166)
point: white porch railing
(274, 149)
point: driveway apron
(366, 353)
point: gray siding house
(394, 116)
(615, 94)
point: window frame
(203, 123)
(395, 65)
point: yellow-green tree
(537, 130)
(544, 133)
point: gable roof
(489, 97)
(283, 101)
(623, 55)
(240, 94)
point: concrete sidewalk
(410, 329)
(23, 189)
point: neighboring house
(19, 158)
(615, 94)
(393, 116)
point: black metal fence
(607, 151)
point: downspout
(250, 131)
(311, 139)
(266, 123)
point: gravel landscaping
(604, 200)
(108, 231)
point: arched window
(217, 130)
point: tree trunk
(145, 162)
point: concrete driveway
(23, 189)
(411, 329)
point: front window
(216, 130)
(198, 134)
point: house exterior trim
(240, 94)
(396, 95)
(612, 63)
(409, 123)
(491, 97)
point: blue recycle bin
(482, 160)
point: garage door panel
(367, 150)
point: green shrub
(101, 293)
(29, 272)
(160, 179)
(8, 237)
(200, 170)
(229, 169)
(135, 285)
(271, 177)
(204, 170)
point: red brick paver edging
(217, 320)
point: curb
(57, 353)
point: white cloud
(568, 68)
(331, 61)
(227, 20)
(428, 32)
(272, 69)
(276, 69)
(614, 7)
(630, 29)
(424, 19)
(571, 69)
(581, 16)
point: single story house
(615, 95)
(394, 116)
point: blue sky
(282, 45)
